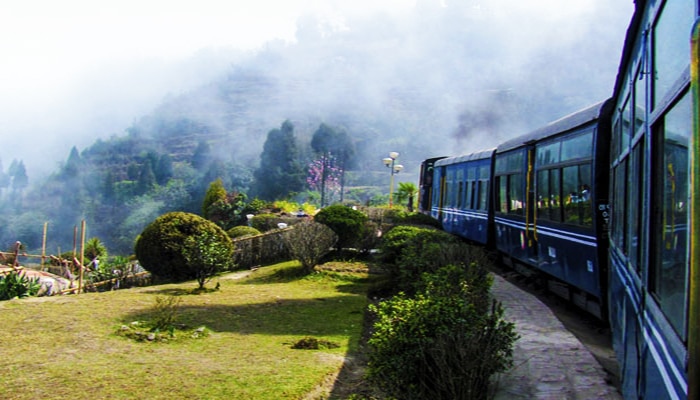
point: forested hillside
(438, 82)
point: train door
(530, 215)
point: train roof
(629, 45)
(564, 124)
(467, 157)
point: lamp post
(390, 162)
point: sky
(56, 55)
(88, 68)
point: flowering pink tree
(324, 177)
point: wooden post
(82, 251)
(43, 246)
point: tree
(18, 173)
(164, 169)
(207, 256)
(338, 151)
(73, 165)
(147, 179)
(4, 179)
(406, 192)
(308, 242)
(216, 192)
(280, 173)
(94, 248)
(201, 156)
(179, 246)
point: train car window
(618, 206)
(502, 201)
(634, 207)
(483, 195)
(626, 127)
(671, 55)
(670, 268)
(548, 154)
(516, 195)
(555, 195)
(577, 187)
(543, 194)
(639, 99)
(460, 188)
(471, 187)
(580, 146)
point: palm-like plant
(407, 192)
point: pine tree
(280, 173)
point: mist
(436, 78)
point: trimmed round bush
(242, 231)
(347, 223)
(180, 246)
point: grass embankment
(68, 347)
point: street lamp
(390, 162)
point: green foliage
(18, 285)
(215, 193)
(394, 241)
(401, 217)
(95, 248)
(207, 255)
(242, 231)
(170, 249)
(265, 222)
(280, 173)
(347, 223)
(308, 242)
(443, 343)
(406, 192)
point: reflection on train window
(625, 129)
(577, 188)
(639, 97)
(634, 206)
(670, 273)
(511, 198)
(618, 207)
(548, 154)
(576, 147)
(671, 55)
(483, 195)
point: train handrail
(694, 273)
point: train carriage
(461, 188)
(650, 199)
(551, 206)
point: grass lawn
(68, 347)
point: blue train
(604, 203)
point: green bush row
(441, 336)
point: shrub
(400, 237)
(18, 285)
(308, 242)
(242, 231)
(402, 217)
(265, 222)
(347, 223)
(179, 246)
(444, 343)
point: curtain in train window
(670, 274)
(671, 54)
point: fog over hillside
(437, 78)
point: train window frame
(676, 44)
(660, 276)
(634, 196)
